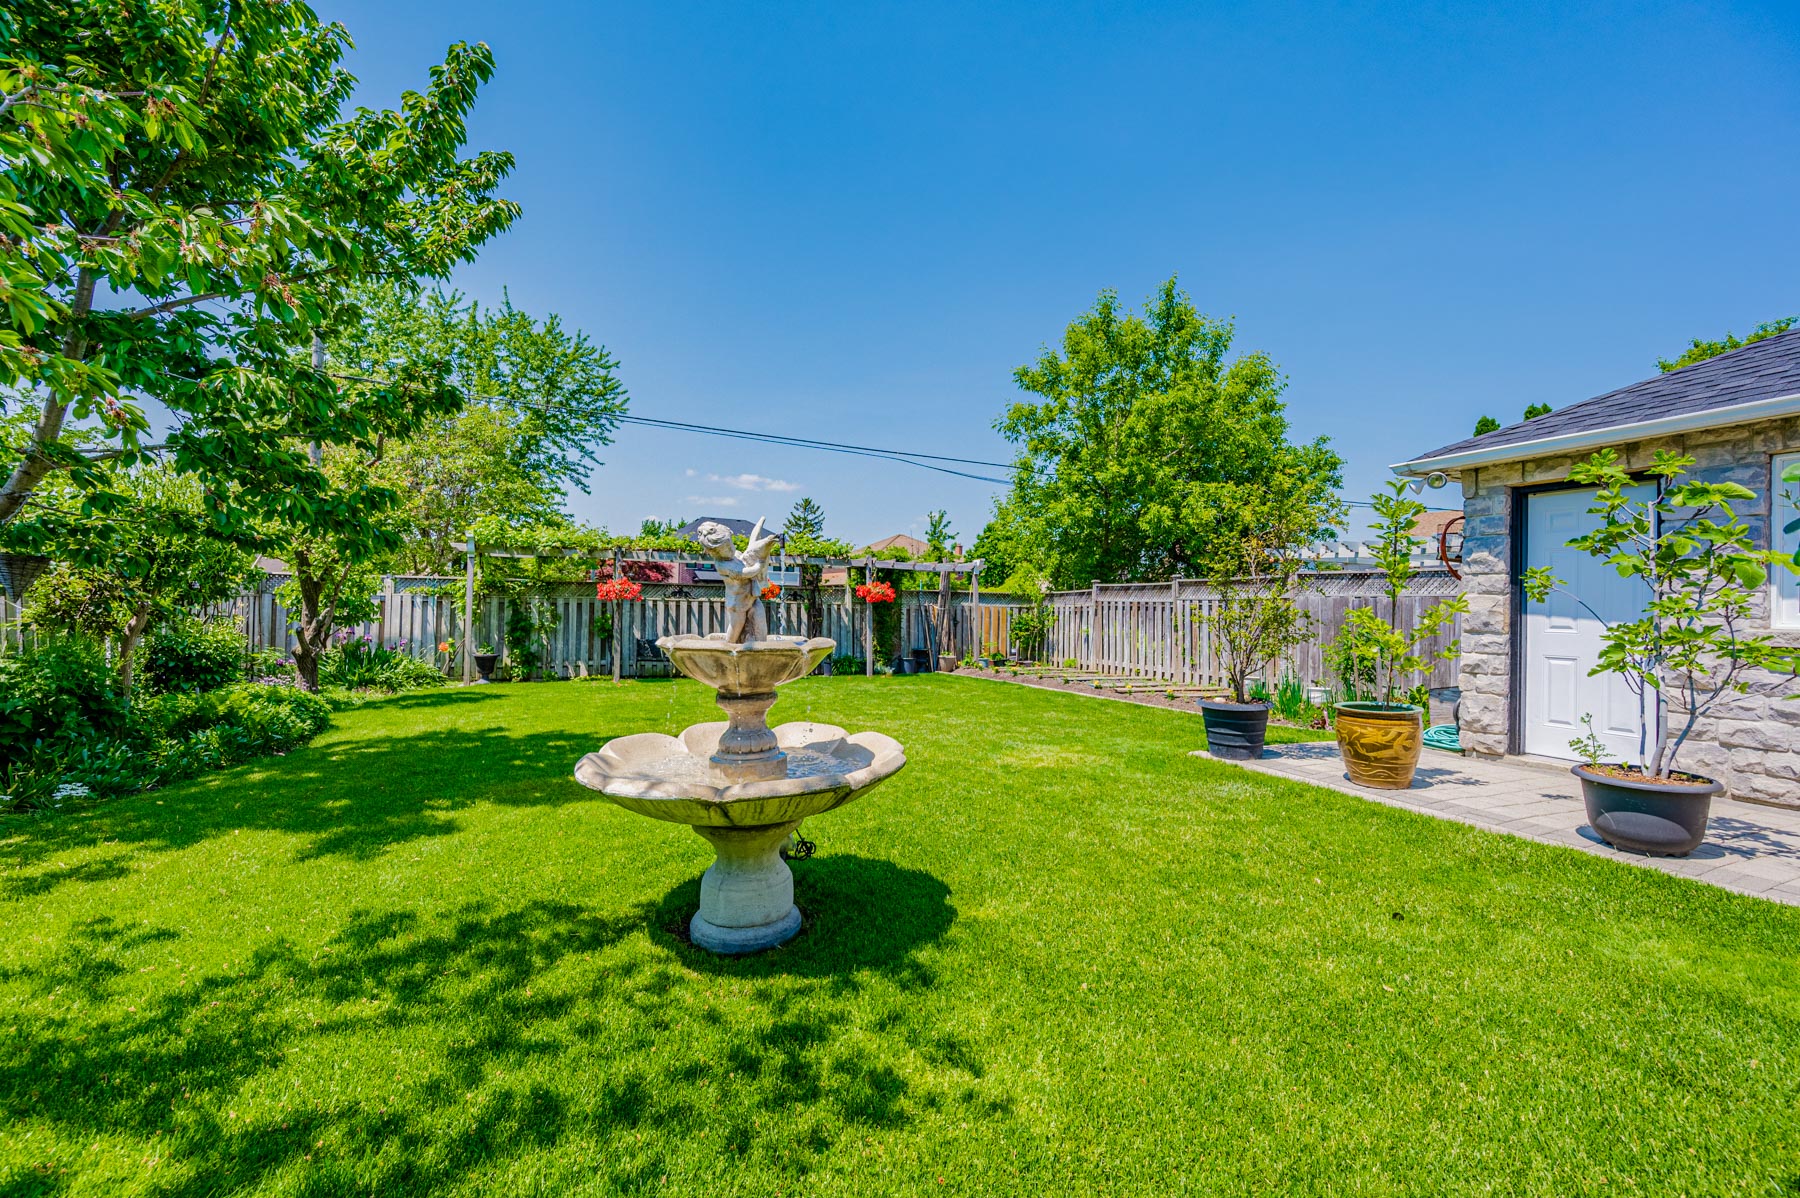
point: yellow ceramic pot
(1380, 744)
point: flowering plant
(771, 591)
(618, 588)
(876, 592)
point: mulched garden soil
(1187, 703)
(1631, 773)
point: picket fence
(1155, 630)
(1159, 630)
(416, 615)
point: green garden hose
(1443, 736)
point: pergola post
(975, 608)
(468, 637)
(869, 625)
(618, 633)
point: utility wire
(902, 456)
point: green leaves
(1702, 567)
(192, 157)
(1148, 453)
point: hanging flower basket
(772, 591)
(18, 571)
(876, 592)
(619, 589)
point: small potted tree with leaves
(1380, 739)
(1685, 652)
(1254, 621)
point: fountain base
(747, 894)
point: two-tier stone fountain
(741, 784)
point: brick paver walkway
(1749, 848)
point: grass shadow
(503, 996)
(355, 798)
(862, 914)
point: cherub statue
(743, 573)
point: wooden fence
(1158, 630)
(1155, 630)
(417, 614)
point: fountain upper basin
(752, 668)
(667, 778)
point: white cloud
(716, 500)
(754, 482)
(687, 474)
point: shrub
(189, 656)
(192, 734)
(357, 663)
(61, 689)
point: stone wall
(1751, 742)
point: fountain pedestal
(747, 750)
(747, 894)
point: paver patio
(1749, 848)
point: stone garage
(1524, 670)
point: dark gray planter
(1660, 819)
(484, 664)
(1235, 731)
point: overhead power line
(905, 457)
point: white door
(1562, 638)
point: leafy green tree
(156, 559)
(190, 161)
(1699, 350)
(1004, 548)
(1533, 411)
(1146, 440)
(1486, 424)
(540, 401)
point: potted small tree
(1380, 739)
(1685, 652)
(1255, 570)
(1255, 622)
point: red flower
(771, 591)
(876, 592)
(618, 589)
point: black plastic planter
(484, 664)
(1661, 819)
(1235, 731)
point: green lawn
(1056, 955)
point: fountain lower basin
(742, 785)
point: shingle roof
(1766, 369)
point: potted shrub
(485, 659)
(1685, 652)
(1380, 739)
(1255, 621)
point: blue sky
(852, 222)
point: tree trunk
(128, 643)
(318, 607)
(34, 465)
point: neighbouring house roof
(739, 528)
(1430, 524)
(1759, 381)
(912, 545)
